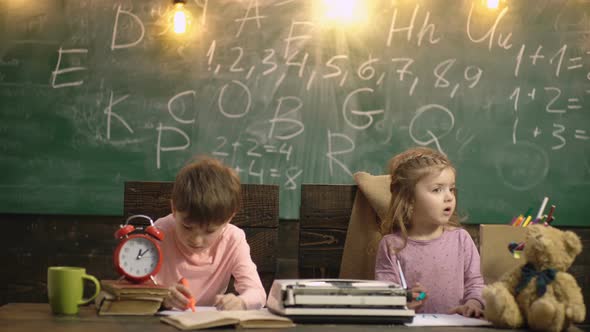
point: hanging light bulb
(181, 17)
(342, 12)
(492, 4)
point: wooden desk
(37, 317)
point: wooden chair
(324, 215)
(258, 217)
(324, 218)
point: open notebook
(176, 312)
(242, 318)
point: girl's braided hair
(405, 170)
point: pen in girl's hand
(410, 296)
(401, 275)
(191, 303)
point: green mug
(65, 288)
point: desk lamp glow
(181, 17)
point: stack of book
(120, 297)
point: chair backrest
(324, 215)
(258, 217)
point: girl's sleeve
(246, 279)
(386, 264)
(473, 279)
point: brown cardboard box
(495, 256)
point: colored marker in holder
(515, 249)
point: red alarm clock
(138, 256)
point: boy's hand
(471, 308)
(229, 302)
(416, 290)
(179, 297)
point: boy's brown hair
(207, 191)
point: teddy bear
(540, 294)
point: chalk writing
(286, 99)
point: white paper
(331, 283)
(446, 320)
(175, 312)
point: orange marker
(191, 299)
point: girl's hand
(229, 302)
(179, 297)
(471, 308)
(416, 290)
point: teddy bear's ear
(572, 243)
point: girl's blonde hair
(406, 169)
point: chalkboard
(98, 92)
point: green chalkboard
(95, 93)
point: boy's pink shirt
(208, 272)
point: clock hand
(141, 254)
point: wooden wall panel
(307, 248)
(259, 202)
(326, 206)
(31, 243)
(287, 250)
(325, 213)
(320, 252)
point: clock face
(138, 256)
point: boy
(201, 246)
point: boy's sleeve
(473, 279)
(386, 264)
(247, 281)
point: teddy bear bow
(544, 278)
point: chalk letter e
(59, 71)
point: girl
(436, 256)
